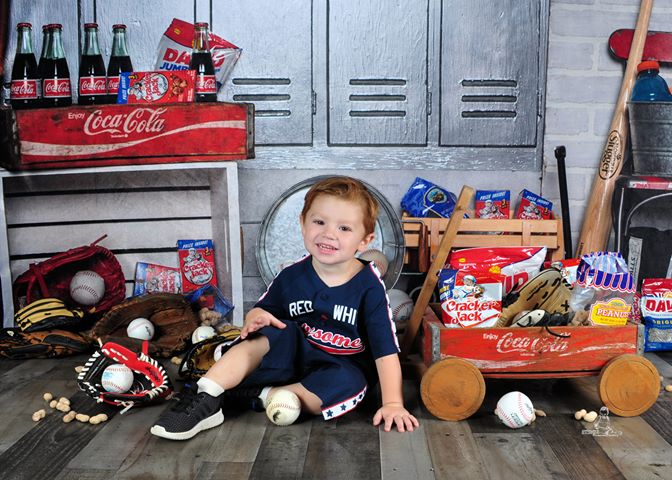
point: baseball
(515, 410)
(87, 287)
(202, 333)
(400, 304)
(283, 407)
(377, 257)
(140, 328)
(117, 378)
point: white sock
(264, 396)
(209, 386)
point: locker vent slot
(380, 97)
(497, 98)
(263, 109)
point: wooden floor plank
(238, 439)
(287, 443)
(224, 470)
(518, 456)
(53, 442)
(118, 438)
(453, 450)
(345, 448)
(406, 455)
(85, 474)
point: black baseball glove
(150, 380)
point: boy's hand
(395, 414)
(258, 318)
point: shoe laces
(185, 401)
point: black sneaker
(245, 397)
(193, 413)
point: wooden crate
(99, 135)
(423, 236)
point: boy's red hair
(345, 188)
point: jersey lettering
(300, 307)
(345, 314)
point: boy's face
(333, 230)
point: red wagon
(456, 361)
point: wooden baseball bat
(597, 218)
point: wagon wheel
(452, 389)
(629, 385)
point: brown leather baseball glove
(171, 314)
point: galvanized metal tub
(651, 136)
(280, 242)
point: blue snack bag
(424, 198)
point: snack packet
(656, 310)
(469, 300)
(424, 199)
(492, 204)
(156, 87)
(174, 52)
(567, 267)
(533, 207)
(151, 278)
(604, 288)
(197, 264)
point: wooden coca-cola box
(98, 135)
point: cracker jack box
(469, 300)
(174, 52)
(533, 207)
(151, 278)
(156, 87)
(494, 204)
(197, 264)
(604, 288)
(656, 309)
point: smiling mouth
(323, 246)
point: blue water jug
(650, 86)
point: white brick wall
(582, 86)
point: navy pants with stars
(336, 380)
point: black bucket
(651, 134)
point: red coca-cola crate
(98, 135)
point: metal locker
(275, 68)
(489, 71)
(377, 72)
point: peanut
(580, 414)
(668, 388)
(82, 417)
(64, 400)
(79, 368)
(53, 404)
(94, 420)
(63, 407)
(39, 415)
(539, 413)
(69, 417)
(48, 397)
(590, 417)
(176, 360)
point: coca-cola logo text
(510, 342)
(92, 85)
(24, 89)
(140, 120)
(206, 84)
(56, 87)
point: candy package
(533, 207)
(604, 289)
(469, 299)
(156, 87)
(197, 264)
(656, 310)
(493, 204)
(424, 199)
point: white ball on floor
(140, 328)
(515, 410)
(377, 257)
(203, 333)
(117, 378)
(87, 287)
(284, 407)
(400, 304)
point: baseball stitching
(283, 405)
(397, 309)
(109, 384)
(508, 420)
(522, 409)
(87, 288)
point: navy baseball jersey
(350, 319)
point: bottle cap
(201, 25)
(24, 25)
(90, 25)
(56, 25)
(648, 65)
(118, 25)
